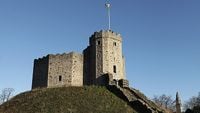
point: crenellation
(41, 59)
(106, 34)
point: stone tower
(178, 103)
(104, 55)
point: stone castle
(102, 57)
(101, 63)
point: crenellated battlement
(41, 59)
(55, 55)
(106, 34)
(70, 54)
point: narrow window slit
(60, 78)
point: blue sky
(160, 39)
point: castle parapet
(106, 34)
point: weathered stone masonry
(102, 56)
(58, 70)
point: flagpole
(108, 11)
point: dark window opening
(60, 78)
(114, 43)
(98, 42)
(114, 69)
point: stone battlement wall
(58, 70)
(105, 34)
(41, 59)
(40, 72)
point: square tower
(102, 56)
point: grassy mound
(67, 100)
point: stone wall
(88, 67)
(77, 69)
(124, 67)
(58, 70)
(40, 72)
(65, 70)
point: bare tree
(6, 94)
(165, 101)
(193, 102)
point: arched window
(114, 69)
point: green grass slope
(67, 100)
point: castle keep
(102, 57)
(101, 63)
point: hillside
(67, 100)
